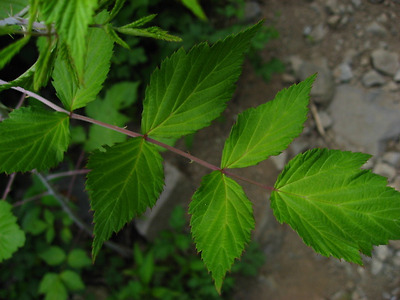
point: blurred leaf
(195, 8)
(140, 22)
(151, 32)
(7, 53)
(53, 288)
(146, 269)
(78, 259)
(53, 255)
(72, 280)
(11, 7)
(45, 62)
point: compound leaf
(71, 18)
(52, 286)
(222, 220)
(123, 182)
(268, 129)
(11, 236)
(189, 90)
(97, 63)
(337, 208)
(33, 138)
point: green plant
(337, 208)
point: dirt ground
(293, 270)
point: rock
(323, 86)
(356, 3)
(396, 77)
(377, 29)
(333, 21)
(326, 120)
(396, 183)
(343, 73)
(376, 266)
(392, 158)
(396, 259)
(356, 115)
(385, 61)
(280, 160)
(318, 33)
(332, 7)
(156, 219)
(391, 87)
(372, 78)
(382, 252)
(386, 170)
(252, 10)
(295, 63)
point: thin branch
(33, 198)
(121, 250)
(8, 187)
(67, 174)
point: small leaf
(33, 138)
(222, 220)
(195, 8)
(71, 18)
(8, 52)
(151, 32)
(146, 269)
(114, 36)
(78, 259)
(115, 10)
(191, 89)
(123, 182)
(11, 236)
(97, 64)
(337, 208)
(268, 129)
(140, 22)
(25, 80)
(52, 286)
(11, 7)
(45, 62)
(53, 255)
(72, 280)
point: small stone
(384, 169)
(307, 30)
(396, 185)
(343, 73)
(376, 266)
(382, 252)
(385, 61)
(318, 33)
(391, 87)
(288, 78)
(396, 77)
(326, 120)
(376, 29)
(280, 160)
(395, 244)
(332, 7)
(383, 18)
(372, 78)
(396, 259)
(392, 158)
(333, 21)
(295, 63)
(356, 3)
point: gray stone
(392, 158)
(356, 3)
(396, 183)
(318, 33)
(391, 86)
(333, 21)
(382, 252)
(385, 170)
(377, 29)
(385, 61)
(343, 73)
(323, 86)
(326, 120)
(372, 78)
(332, 7)
(396, 77)
(280, 160)
(376, 266)
(363, 121)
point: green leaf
(52, 286)
(11, 7)
(140, 22)
(33, 138)
(115, 10)
(71, 18)
(8, 52)
(146, 269)
(97, 64)
(123, 182)
(108, 28)
(337, 208)
(268, 129)
(25, 80)
(53, 255)
(11, 236)
(72, 280)
(119, 96)
(222, 220)
(78, 259)
(191, 89)
(195, 8)
(45, 62)
(151, 32)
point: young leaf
(195, 8)
(8, 52)
(222, 219)
(33, 138)
(52, 286)
(97, 64)
(11, 7)
(108, 28)
(71, 18)
(72, 280)
(118, 97)
(151, 32)
(337, 208)
(45, 62)
(119, 4)
(191, 89)
(140, 22)
(78, 259)
(11, 237)
(123, 182)
(53, 255)
(268, 129)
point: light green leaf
(78, 259)
(268, 129)
(195, 8)
(123, 182)
(119, 4)
(119, 96)
(222, 220)
(108, 28)
(97, 64)
(11, 7)
(53, 255)
(191, 89)
(11, 236)
(140, 22)
(337, 208)
(25, 80)
(72, 280)
(53, 288)
(8, 52)
(45, 62)
(33, 138)
(71, 18)
(151, 32)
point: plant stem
(8, 187)
(135, 134)
(66, 174)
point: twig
(121, 250)
(33, 198)
(72, 182)
(317, 119)
(8, 187)
(67, 174)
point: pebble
(333, 21)
(385, 61)
(356, 3)
(326, 120)
(343, 73)
(382, 252)
(392, 158)
(372, 78)
(280, 160)
(377, 29)
(318, 33)
(376, 266)
(396, 77)
(391, 86)
(384, 169)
